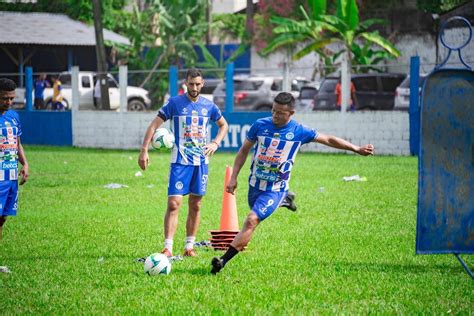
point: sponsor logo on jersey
(185, 111)
(194, 113)
(9, 165)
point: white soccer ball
(157, 264)
(162, 139)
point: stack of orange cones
(221, 239)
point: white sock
(189, 244)
(169, 244)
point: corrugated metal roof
(49, 29)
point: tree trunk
(101, 59)
(249, 22)
(346, 81)
(208, 21)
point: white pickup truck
(137, 98)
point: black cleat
(217, 265)
(289, 202)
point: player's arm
(339, 143)
(24, 173)
(143, 158)
(214, 145)
(239, 162)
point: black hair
(285, 98)
(7, 84)
(193, 73)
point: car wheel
(135, 105)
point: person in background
(57, 102)
(39, 85)
(338, 92)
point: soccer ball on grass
(162, 139)
(157, 264)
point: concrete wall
(409, 45)
(388, 131)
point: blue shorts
(187, 179)
(8, 198)
(264, 203)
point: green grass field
(350, 247)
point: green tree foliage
(226, 24)
(438, 6)
(318, 29)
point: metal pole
(29, 88)
(173, 74)
(414, 109)
(229, 88)
(464, 265)
(123, 82)
(75, 88)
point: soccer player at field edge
(189, 116)
(277, 140)
(11, 151)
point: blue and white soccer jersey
(10, 130)
(190, 124)
(273, 159)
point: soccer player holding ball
(189, 115)
(277, 140)
(11, 152)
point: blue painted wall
(46, 128)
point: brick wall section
(388, 131)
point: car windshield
(406, 82)
(307, 93)
(248, 85)
(329, 86)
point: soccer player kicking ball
(11, 151)
(277, 139)
(189, 115)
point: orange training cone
(229, 220)
(222, 238)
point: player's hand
(366, 150)
(143, 160)
(24, 174)
(210, 149)
(231, 186)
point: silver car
(402, 94)
(255, 93)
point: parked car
(402, 94)
(137, 98)
(304, 102)
(207, 90)
(373, 91)
(255, 93)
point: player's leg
(3, 219)
(8, 201)
(171, 222)
(263, 205)
(198, 187)
(289, 202)
(192, 224)
(178, 186)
